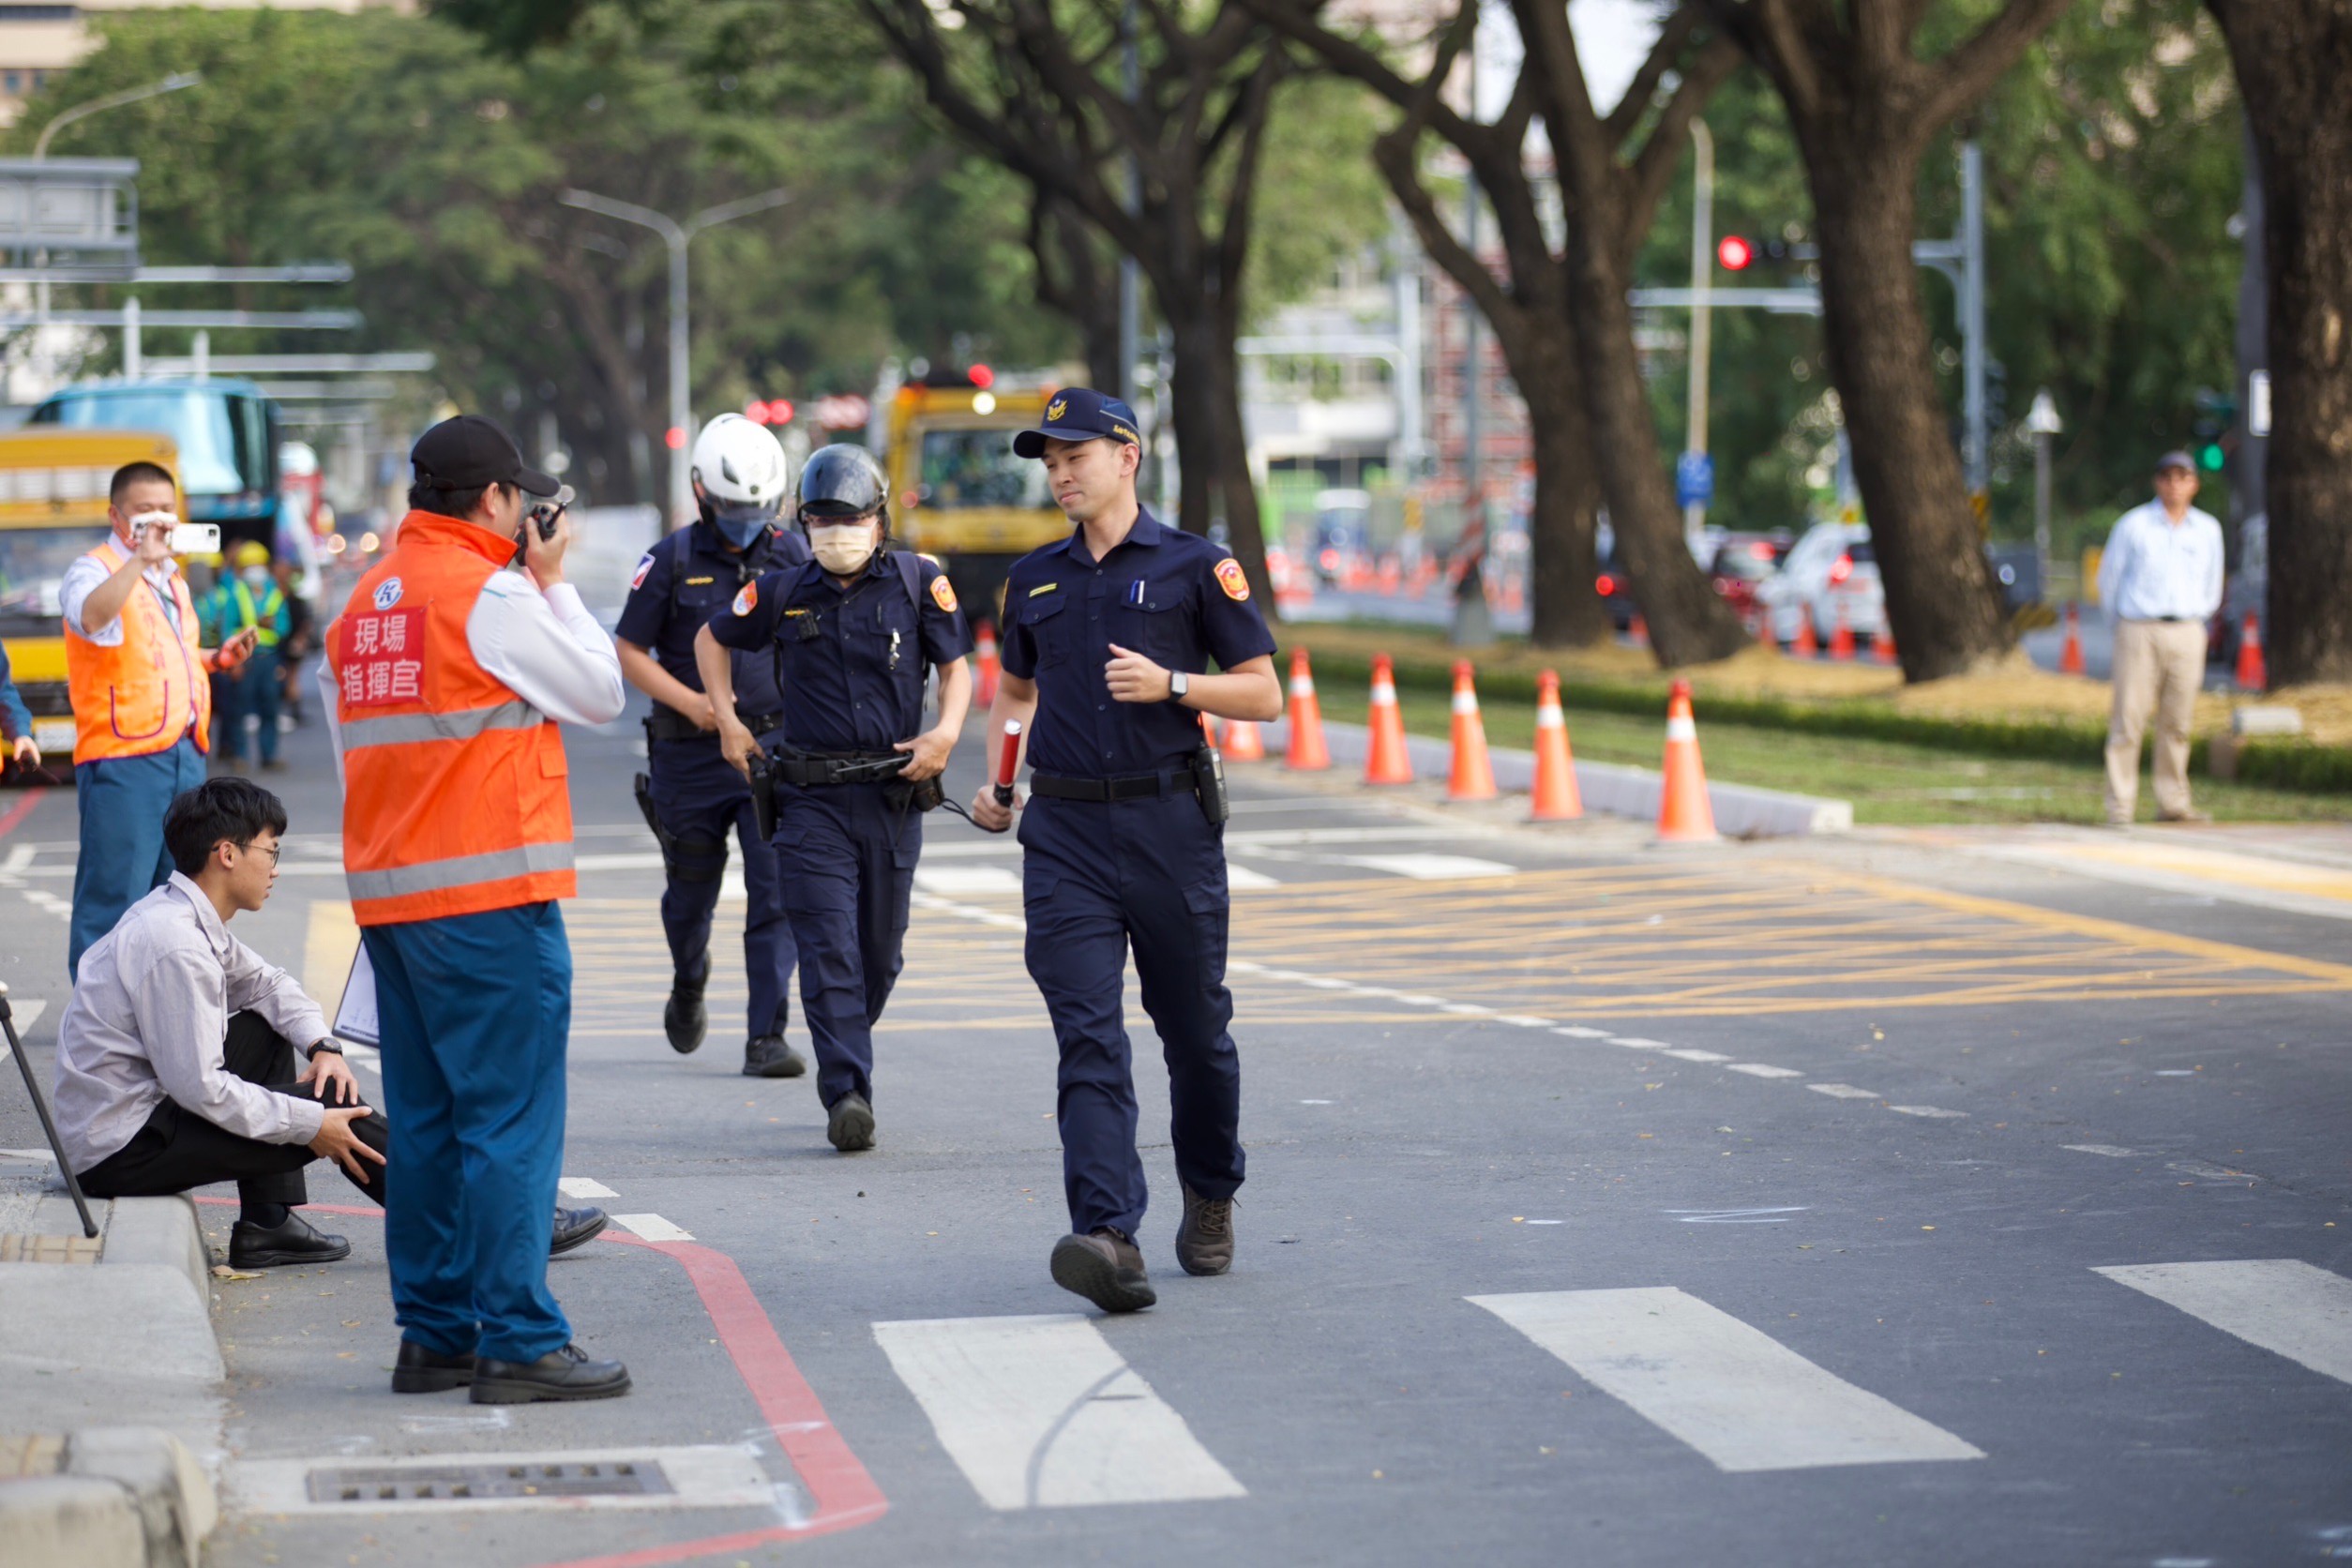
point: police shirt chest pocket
(1152, 619)
(1043, 619)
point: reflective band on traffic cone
(1842, 638)
(1685, 815)
(1387, 760)
(2252, 675)
(984, 655)
(1308, 752)
(1243, 742)
(2071, 655)
(1554, 797)
(1474, 775)
(1808, 645)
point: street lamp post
(2042, 423)
(171, 83)
(676, 235)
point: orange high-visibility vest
(455, 799)
(141, 695)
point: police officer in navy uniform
(1108, 638)
(693, 798)
(853, 637)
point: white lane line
(1241, 879)
(1041, 1412)
(1845, 1091)
(1738, 1395)
(1758, 1069)
(1578, 1032)
(1934, 1113)
(965, 881)
(1635, 1041)
(2111, 1150)
(652, 1227)
(583, 1186)
(697, 1477)
(1430, 868)
(1686, 1053)
(2280, 1303)
(20, 857)
(1738, 1217)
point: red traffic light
(780, 411)
(1734, 252)
(982, 377)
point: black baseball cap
(468, 452)
(1079, 413)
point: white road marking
(1578, 1032)
(1041, 1412)
(19, 858)
(1758, 1069)
(964, 881)
(1241, 879)
(1523, 1020)
(1741, 1397)
(1430, 868)
(2111, 1150)
(1845, 1091)
(1738, 1217)
(698, 1477)
(1635, 1041)
(1932, 1112)
(2280, 1303)
(652, 1227)
(583, 1186)
(1687, 1054)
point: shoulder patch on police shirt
(645, 565)
(749, 599)
(1047, 589)
(943, 594)
(1229, 577)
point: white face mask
(843, 549)
(257, 577)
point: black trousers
(178, 1150)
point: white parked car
(1829, 571)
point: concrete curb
(121, 1497)
(1742, 811)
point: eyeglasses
(269, 849)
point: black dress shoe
(769, 1057)
(418, 1370)
(683, 1018)
(290, 1241)
(564, 1373)
(850, 1127)
(573, 1227)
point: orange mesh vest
(455, 799)
(141, 695)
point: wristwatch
(329, 1044)
(1177, 686)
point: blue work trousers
(122, 859)
(475, 1010)
(848, 860)
(700, 800)
(1099, 879)
(252, 691)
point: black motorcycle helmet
(840, 481)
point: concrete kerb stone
(1742, 811)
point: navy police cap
(1079, 413)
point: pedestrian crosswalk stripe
(1760, 1069)
(1241, 879)
(1741, 1397)
(962, 882)
(1844, 1091)
(583, 1186)
(2281, 1304)
(652, 1227)
(1430, 868)
(1041, 1412)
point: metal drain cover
(377, 1485)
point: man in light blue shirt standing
(2161, 580)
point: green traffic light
(2210, 457)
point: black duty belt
(1134, 786)
(838, 767)
(666, 723)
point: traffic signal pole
(1702, 319)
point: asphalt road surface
(1951, 1197)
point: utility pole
(2248, 495)
(1976, 455)
(1473, 485)
(1696, 478)
(1130, 299)
(676, 235)
(2042, 423)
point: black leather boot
(683, 1018)
(564, 1373)
(417, 1370)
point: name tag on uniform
(700, 582)
(1047, 589)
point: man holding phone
(142, 704)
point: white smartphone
(187, 539)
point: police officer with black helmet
(853, 636)
(691, 797)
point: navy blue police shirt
(1172, 597)
(687, 578)
(852, 661)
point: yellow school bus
(958, 494)
(53, 510)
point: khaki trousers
(2158, 665)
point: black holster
(686, 860)
(762, 778)
(1208, 782)
(915, 795)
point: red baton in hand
(1008, 763)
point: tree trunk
(2293, 58)
(1237, 488)
(1563, 561)
(1942, 598)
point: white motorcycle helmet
(739, 470)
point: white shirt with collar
(88, 574)
(2155, 569)
(148, 1017)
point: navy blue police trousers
(848, 859)
(701, 800)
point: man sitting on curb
(175, 1056)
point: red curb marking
(844, 1493)
(22, 808)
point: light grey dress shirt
(88, 574)
(2155, 569)
(148, 1017)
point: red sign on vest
(383, 658)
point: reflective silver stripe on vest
(464, 724)
(465, 870)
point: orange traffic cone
(1388, 760)
(1307, 753)
(1209, 727)
(1808, 645)
(984, 655)
(1473, 773)
(1764, 631)
(1882, 645)
(1555, 798)
(1685, 815)
(1243, 742)
(1842, 637)
(1639, 632)
(2071, 651)
(2252, 673)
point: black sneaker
(418, 1370)
(683, 1018)
(850, 1126)
(290, 1241)
(576, 1227)
(1106, 1268)
(1204, 1238)
(564, 1373)
(769, 1057)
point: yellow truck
(53, 510)
(959, 495)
